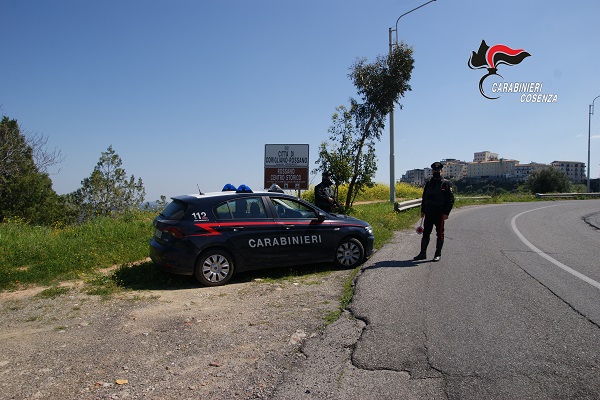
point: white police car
(215, 235)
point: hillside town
(487, 165)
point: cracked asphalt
(491, 320)
(346, 362)
(593, 219)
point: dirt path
(230, 342)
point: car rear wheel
(349, 253)
(214, 268)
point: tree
(380, 85)
(43, 158)
(548, 180)
(16, 145)
(338, 157)
(25, 190)
(108, 191)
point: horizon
(188, 93)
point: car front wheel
(214, 268)
(349, 253)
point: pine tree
(108, 191)
(25, 191)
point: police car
(215, 235)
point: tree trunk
(357, 162)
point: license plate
(158, 233)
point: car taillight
(175, 232)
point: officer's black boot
(438, 249)
(423, 254)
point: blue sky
(189, 92)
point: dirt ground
(230, 342)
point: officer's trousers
(431, 219)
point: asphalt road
(512, 311)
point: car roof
(195, 197)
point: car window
(288, 208)
(256, 208)
(174, 210)
(223, 212)
(245, 208)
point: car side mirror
(321, 216)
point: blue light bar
(243, 189)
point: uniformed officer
(438, 200)
(324, 193)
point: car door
(251, 232)
(305, 238)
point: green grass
(34, 255)
(44, 256)
(53, 292)
(378, 192)
(345, 298)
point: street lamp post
(392, 157)
(591, 112)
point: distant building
(454, 169)
(483, 156)
(416, 176)
(574, 170)
(502, 168)
(522, 171)
(487, 165)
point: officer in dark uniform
(324, 193)
(436, 205)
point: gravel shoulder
(232, 342)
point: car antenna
(199, 191)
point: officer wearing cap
(324, 193)
(438, 200)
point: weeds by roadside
(34, 255)
(37, 255)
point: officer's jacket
(437, 196)
(322, 193)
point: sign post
(286, 165)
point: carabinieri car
(215, 235)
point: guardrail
(408, 204)
(566, 195)
(405, 205)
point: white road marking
(546, 256)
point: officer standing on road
(436, 205)
(324, 193)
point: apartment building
(454, 169)
(483, 156)
(522, 171)
(487, 165)
(416, 176)
(502, 168)
(574, 170)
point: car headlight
(369, 229)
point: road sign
(287, 166)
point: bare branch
(17, 145)
(42, 157)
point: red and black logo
(492, 57)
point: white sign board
(286, 155)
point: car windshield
(287, 208)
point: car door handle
(237, 228)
